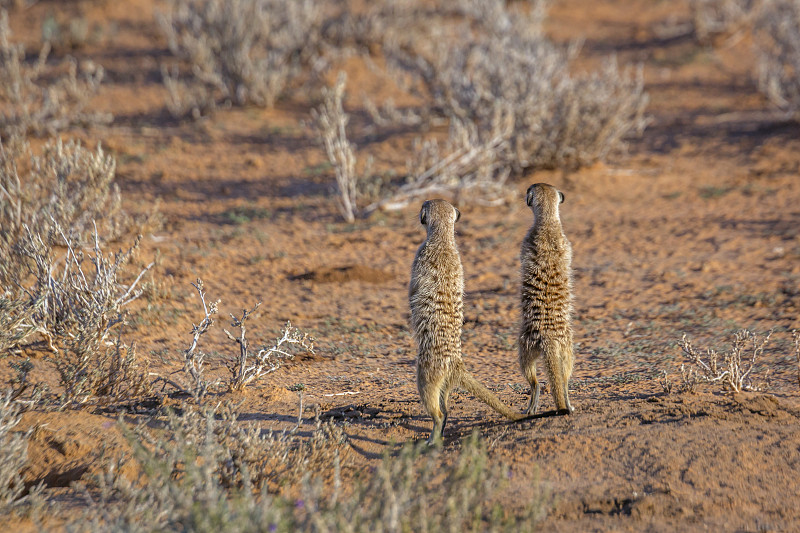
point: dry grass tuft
(239, 52)
(35, 99)
(777, 32)
(418, 490)
(714, 19)
(205, 471)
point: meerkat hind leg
(536, 388)
(431, 393)
(570, 409)
(443, 406)
(437, 432)
(533, 404)
(566, 366)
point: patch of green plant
(244, 214)
(712, 191)
(317, 170)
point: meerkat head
(543, 199)
(436, 213)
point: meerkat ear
(422, 218)
(529, 196)
(561, 195)
(458, 214)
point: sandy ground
(696, 230)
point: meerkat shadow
(544, 414)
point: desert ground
(694, 230)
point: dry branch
(796, 338)
(248, 367)
(733, 372)
(193, 359)
(331, 120)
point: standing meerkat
(435, 295)
(546, 325)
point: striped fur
(546, 298)
(436, 298)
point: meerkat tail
(559, 375)
(477, 389)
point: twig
(796, 337)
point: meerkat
(435, 296)
(546, 297)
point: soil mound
(65, 447)
(343, 274)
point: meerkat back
(546, 298)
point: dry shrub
(511, 72)
(66, 294)
(775, 28)
(734, 371)
(511, 97)
(207, 472)
(777, 34)
(246, 367)
(56, 283)
(420, 490)
(330, 121)
(466, 167)
(13, 455)
(194, 359)
(41, 100)
(107, 375)
(74, 303)
(713, 19)
(17, 320)
(239, 52)
(67, 186)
